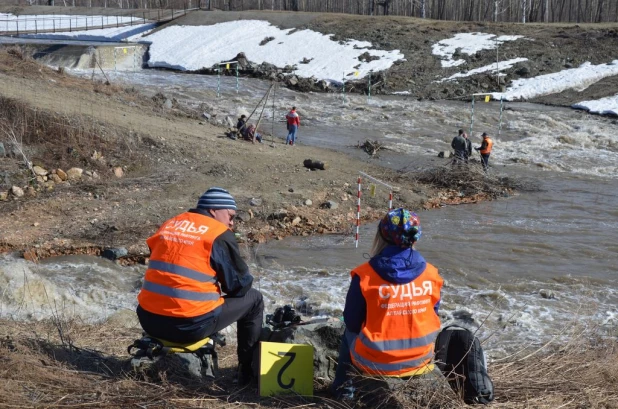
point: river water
(529, 268)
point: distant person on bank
(194, 258)
(293, 123)
(468, 152)
(485, 150)
(391, 309)
(460, 145)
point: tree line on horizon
(523, 11)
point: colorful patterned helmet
(400, 227)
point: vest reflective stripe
(181, 271)
(386, 368)
(178, 293)
(397, 344)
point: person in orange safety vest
(485, 150)
(194, 259)
(391, 309)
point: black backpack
(461, 359)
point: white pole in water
(358, 211)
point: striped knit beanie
(216, 198)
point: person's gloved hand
(477, 149)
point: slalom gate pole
(472, 118)
(237, 84)
(390, 200)
(369, 89)
(343, 90)
(501, 105)
(218, 82)
(358, 211)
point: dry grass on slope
(67, 363)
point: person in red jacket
(293, 124)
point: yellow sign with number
(285, 368)
(124, 50)
(227, 66)
(356, 73)
(487, 98)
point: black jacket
(232, 272)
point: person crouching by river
(391, 309)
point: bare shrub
(471, 180)
(58, 140)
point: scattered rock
(255, 201)
(293, 80)
(62, 174)
(31, 192)
(4, 196)
(308, 202)
(243, 216)
(17, 191)
(548, 294)
(41, 179)
(39, 171)
(167, 104)
(444, 154)
(30, 255)
(296, 220)
(56, 178)
(36, 224)
(291, 190)
(315, 164)
(278, 215)
(206, 115)
(329, 205)
(114, 253)
(118, 172)
(73, 173)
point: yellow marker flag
(124, 50)
(372, 189)
(487, 98)
(285, 368)
(227, 66)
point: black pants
(246, 311)
(485, 160)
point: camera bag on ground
(461, 359)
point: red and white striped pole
(358, 210)
(390, 201)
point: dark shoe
(244, 375)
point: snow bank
(603, 106)
(468, 43)
(501, 66)
(575, 78)
(196, 47)
(129, 33)
(26, 22)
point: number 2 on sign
(292, 356)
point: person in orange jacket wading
(485, 150)
(194, 257)
(391, 309)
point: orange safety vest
(397, 338)
(488, 144)
(179, 281)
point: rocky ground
(110, 165)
